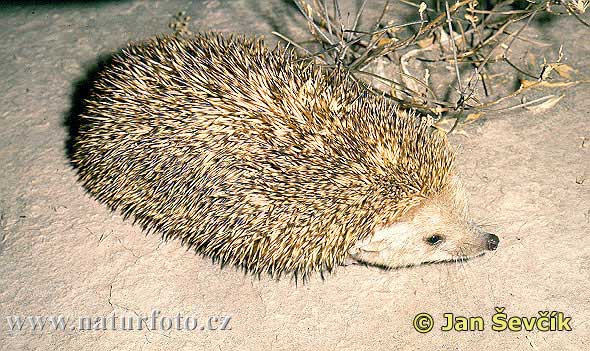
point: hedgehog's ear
(383, 237)
(370, 245)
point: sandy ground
(62, 253)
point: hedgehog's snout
(492, 241)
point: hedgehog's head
(438, 229)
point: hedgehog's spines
(219, 141)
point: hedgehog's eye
(434, 240)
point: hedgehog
(261, 159)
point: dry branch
(403, 59)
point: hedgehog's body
(258, 160)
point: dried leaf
(526, 84)
(472, 117)
(545, 105)
(386, 41)
(471, 18)
(426, 42)
(563, 70)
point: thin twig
(484, 36)
(454, 46)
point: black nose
(492, 242)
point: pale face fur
(436, 230)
